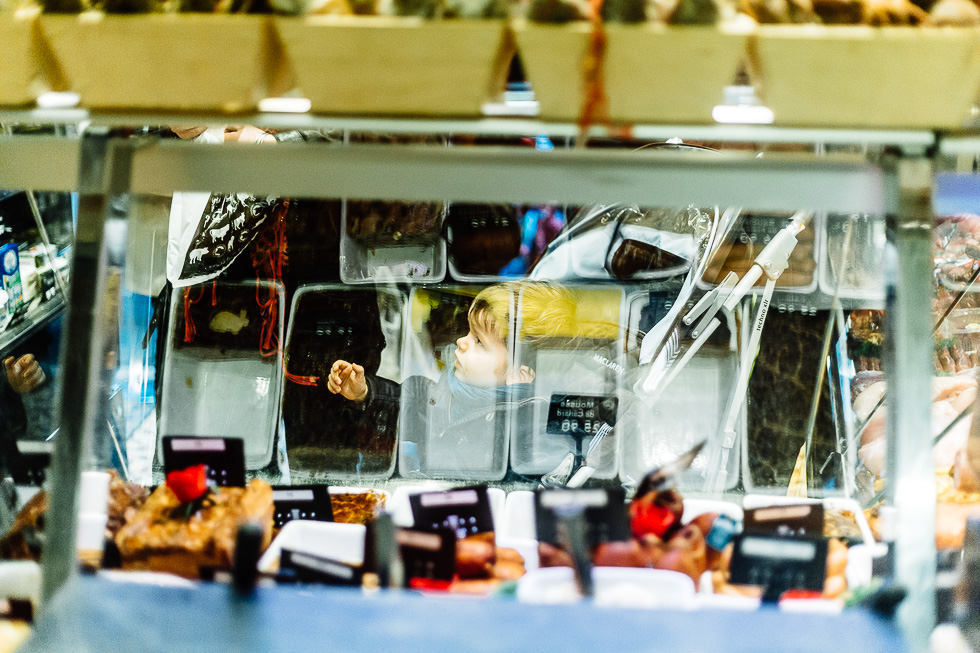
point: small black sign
(779, 563)
(581, 415)
(427, 554)
(225, 457)
(311, 502)
(311, 568)
(464, 510)
(604, 509)
(790, 519)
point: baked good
(25, 538)
(125, 499)
(357, 507)
(169, 536)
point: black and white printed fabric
(209, 231)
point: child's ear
(524, 374)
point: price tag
(310, 502)
(466, 511)
(311, 568)
(604, 509)
(779, 563)
(794, 519)
(225, 457)
(427, 554)
(581, 415)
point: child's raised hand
(25, 374)
(347, 380)
(523, 375)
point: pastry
(170, 536)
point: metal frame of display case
(897, 184)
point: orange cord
(595, 104)
(270, 257)
(595, 101)
(189, 329)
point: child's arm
(348, 380)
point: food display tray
(653, 73)
(581, 362)
(415, 263)
(328, 436)
(225, 63)
(397, 66)
(217, 391)
(860, 76)
(686, 412)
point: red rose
(647, 517)
(189, 484)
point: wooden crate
(653, 73)
(855, 76)
(397, 66)
(180, 62)
(22, 76)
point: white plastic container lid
(93, 496)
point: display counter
(130, 616)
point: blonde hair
(547, 309)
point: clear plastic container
(576, 389)
(497, 242)
(448, 427)
(864, 270)
(689, 410)
(223, 367)
(328, 435)
(382, 254)
(737, 251)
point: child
(457, 424)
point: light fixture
(54, 100)
(285, 105)
(742, 107)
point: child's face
(481, 358)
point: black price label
(466, 511)
(311, 502)
(581, 415)
(778, 563)
(604, 510)
(792, 519)
(225, 457)
(311, 568)
(427, 554)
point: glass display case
(579, 336)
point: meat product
(680, 559)
(621, 554)
(690, 540)
(868, 399)
(552, 556)
(475, 556)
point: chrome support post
(911, 483)
(104, 169)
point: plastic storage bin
(863, 269)
(448, 428)
(497, 242)
(326, 434)
(374, 248)
(750, 234)
(689, 410)
(576, 388)
(222, 374)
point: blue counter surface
(96, 614)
